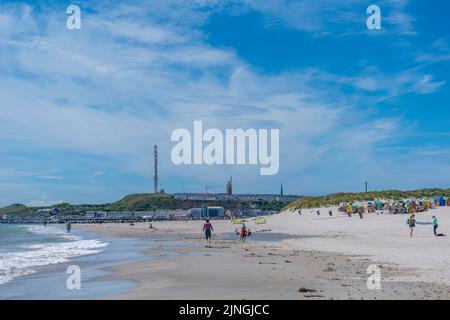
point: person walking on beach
(208, 228)
(412, 224)
(435, 224)
(349, 210)
(330, 213)
(68, 226)
(243, 233)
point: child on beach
(68, 226)
(412, 224)
(208, 228)
(243, 233)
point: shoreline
(48, 281)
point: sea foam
(28, 257)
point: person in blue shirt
(435, 224)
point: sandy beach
(302, 257)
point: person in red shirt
(208, 228)
(243, 233)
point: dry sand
(328, 255)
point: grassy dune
(337, 198)
(143, 202)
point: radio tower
(155, 164)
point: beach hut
(378, 205)
(440, 201)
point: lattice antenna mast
(155, 164)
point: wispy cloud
(50, 177)
(334, 17)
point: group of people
(330, 212)
(410, 207)
(405, 208)
(243, 232)
(412, 224)
(401, 207)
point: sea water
(24, 248)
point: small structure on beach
(207, 212)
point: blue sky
(80, 110)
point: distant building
(216, 212)
(96, 214)
(101, 214)
(171, 214)
(235, 197)
(144, 214)
(121, 215)
(195, 213)
(206, 212)
(90, 215)
(195, 196)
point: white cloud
(338, 17)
